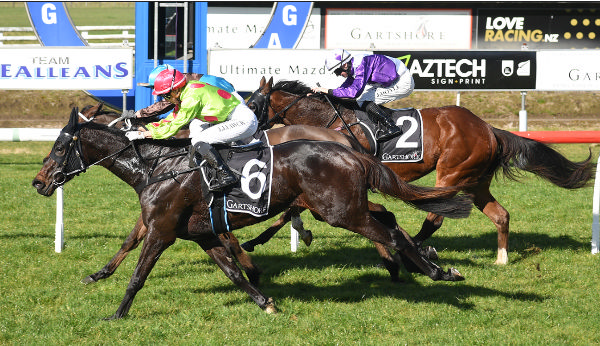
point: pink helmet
(168, 80)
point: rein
(75, 147)
(338, 115)
(278, 115)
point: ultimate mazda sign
(468, 70)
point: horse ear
(71, 126)
(269, 85)
(263, 81)
(99, 105)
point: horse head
(259, 103)
(65, 159)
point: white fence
(13, 36)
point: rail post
(596, 212)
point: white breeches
(240, 124)
(403, 87)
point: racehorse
(275, 136)
(327, 178)
(462, 149)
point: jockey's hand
(128, 114)
(320, 90)
(133, 135)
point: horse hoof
(308, 238)
(248, 247)
(270, 307)
(455, 275)
(88, 280)
(431, 253)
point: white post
(523, 113)
(59, 239)
(458, 98)
(596, 212)
(294, 239)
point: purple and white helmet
(336, 59)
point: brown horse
(275, 136)
(462, 149)
(327, 178)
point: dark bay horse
(462, 149)
(275, 136)
(327, 178)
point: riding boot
(386, 128)
(225, 176)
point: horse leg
(233, 246)
(220, 255)
(366, 224)
(154, 245)
(488, 205)
(133, 240)
(292, 214)
(298, 225)
(379, 212)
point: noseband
(72, 162)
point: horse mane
(292, 87)
(167, 143)
(297, 87)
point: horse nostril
(37, 184)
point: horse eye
(59, 150)
(252, 106)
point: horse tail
(442, 201)
(541, 160)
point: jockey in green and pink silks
(215, 116)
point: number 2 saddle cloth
(406, 147)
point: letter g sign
(49, 13)
(290, 19)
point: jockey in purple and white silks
(372, 80)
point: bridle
(72, 163)
(263, 104)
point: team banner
(537, 29)
(470, 70)
(568, 70)
(66, 68)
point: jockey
(213, 114)
(373, 80)
(161, 107)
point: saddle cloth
(251, 194)
(406, 147)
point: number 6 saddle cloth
(406, 147)
(252, 194)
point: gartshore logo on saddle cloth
(408, 146)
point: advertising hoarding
(306, 65)
(569, 70)
(241, 27)
(469, 70)
(66, 68)
(537, 29)
(398, 28)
